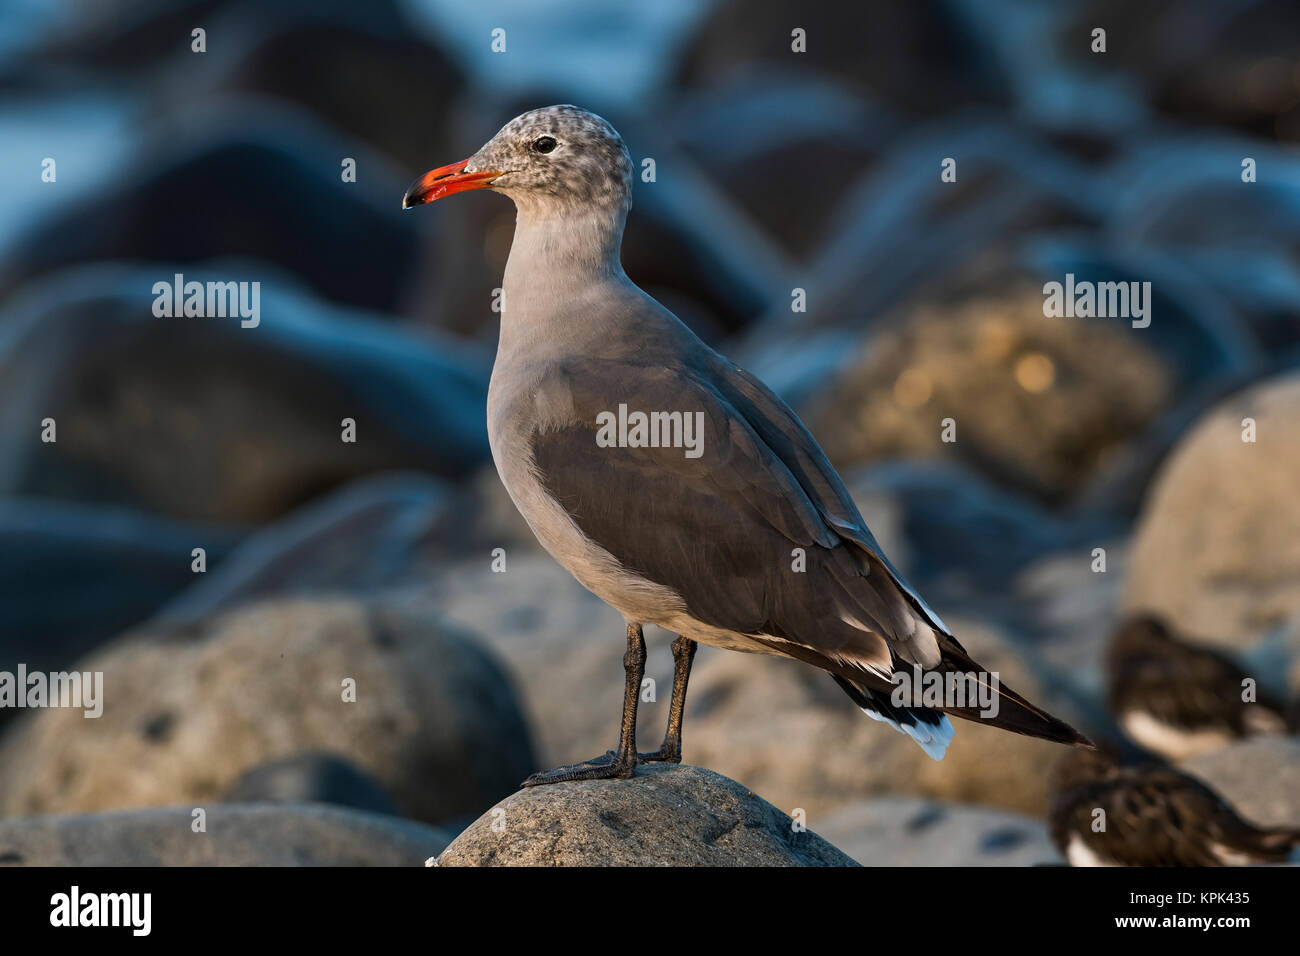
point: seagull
(1106, 814)
(669, 481)
(1178, 700)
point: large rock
(1217, 551)
(1039, 404)
(905, 831)
(123, 35)
(1197, 334)
(73, 576)
(901, 238)
(909, 54)
(358, 69)
(266, 194)
(1070, 607)
(727, 129)
(664, 816)
(367, 536)
(1259, 776)
(204, 419)
(484, 518)
(248, 834)
(957, 527)
(188, 711)
(317, 776)
(1200, 60)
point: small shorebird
(1177, 699)
(1107, 814)
(708, 508)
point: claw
(608, 766)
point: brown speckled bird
(1177, 699)
(1104, 813)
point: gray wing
(722, 529)
(781, 429)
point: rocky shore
(319, 622)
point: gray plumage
(703, 546)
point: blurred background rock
(774, 171)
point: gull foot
(664, 754)
(606, 767)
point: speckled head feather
(558, 157)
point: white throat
(554, 258)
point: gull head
(550, 161)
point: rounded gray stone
(250, 834)
(664, 816)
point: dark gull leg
(622, 762)
(671, 751)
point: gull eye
(543, 144)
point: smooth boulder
(254, 177)
(1259, 776)
(187, 711)
(73, 576)
(316, 776)
(364, 537)
(1217, 549)
(249, 834)
(1035, 404)
(205, 418)
(664, 816)
(905, 831)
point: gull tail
(1008, 710)
(931, 730)
(927, 723)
